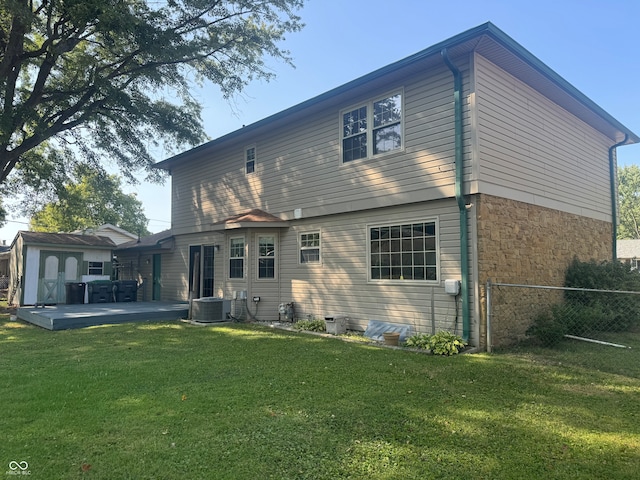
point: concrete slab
(62, 317)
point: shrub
(445, 343)
(419, 340)
(598, 310)
(549, 326)
(310, 325)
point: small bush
(445, 343)
(310, 325)
(549, 326)
(419, 340)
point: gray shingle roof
(66, 239)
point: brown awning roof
(255, 218)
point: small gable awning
(255, 218)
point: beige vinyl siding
(299, 166)
(340, 283)
(532, 150)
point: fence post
(489, 315)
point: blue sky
(594, 45)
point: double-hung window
(266, 256)
(236, 258)
(406, 251)
(250, 160)
(96, 268)
(310, 247)
(373, 128)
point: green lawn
(173, 401)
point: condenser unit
(210, 309)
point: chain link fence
(547, 316)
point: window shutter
(108, 268)
(85, 268)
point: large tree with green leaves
(94, 199)
(629, 201)
(82, 81)
(3, 214)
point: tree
(3, 214)
(82, 81)
(629, 201)
(94, 199)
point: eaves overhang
(488, 41)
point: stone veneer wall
(526, 244)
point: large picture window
(310, 247)
(404, 252)
(372, 129)
(266, 256)
(236, 258)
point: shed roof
(486, 39)
(65, 239)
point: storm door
(56, 269)
(157, 276)
(201, 262)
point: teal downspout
(614, 200)
(462, 207)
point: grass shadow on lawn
(170, 400)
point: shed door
(57, 268)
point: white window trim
(244, 258)
(310, 232)
(437, 281)
(275, 257)
(369, 104)
(89, 268)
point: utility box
(336, 324)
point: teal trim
(462, 207)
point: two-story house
(396, 196)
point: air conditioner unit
(210, 309)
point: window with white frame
(373, 128)
(250, 160)
(236, 258)
(406, 251)
(266, 256)
(310, 247)
(96, 268)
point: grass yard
(173, 401)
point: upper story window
(250, 160)
(236, 258)
(310, 247)
(373, 128)
(266, 256)
(404, 252)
